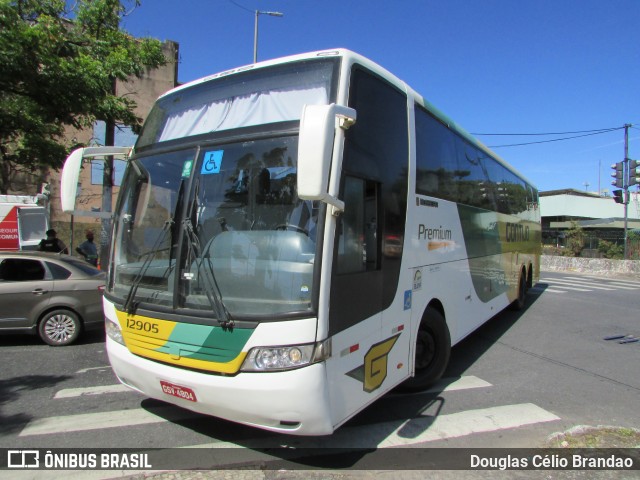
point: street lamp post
(255, 31)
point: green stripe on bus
(208, 343)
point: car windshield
(216, 228)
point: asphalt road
(513, 383)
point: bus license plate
(178, 391)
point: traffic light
(618, 175)
(634, 176)
(618, 196)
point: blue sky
(493, 66)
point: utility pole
(626, 190)
(625, 175)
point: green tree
(58, 65)
(574, 240)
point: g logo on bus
(373, 372)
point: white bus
(295, 238)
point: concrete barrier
(596, 266)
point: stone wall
(596, 266)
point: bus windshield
(208, 218)
(230, 238)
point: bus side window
(358, 242)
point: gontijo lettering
(516, 232)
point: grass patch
(595, 437)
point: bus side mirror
(318, 130)
(71, 172)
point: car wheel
(59, 327)
(433, 348)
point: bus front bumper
(294, 402)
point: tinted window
(58, 272)
(451, 168)
(437, 172)
(21, 270)
(83, 266)
(357, 237)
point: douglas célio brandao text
(577, 461)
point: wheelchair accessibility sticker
(212, 162)
(407, 300)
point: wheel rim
(60, 328)
(425, 349)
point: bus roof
(351, 57)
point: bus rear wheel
(433, 348)
(520, 301)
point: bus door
(369, 319)
(370, 312)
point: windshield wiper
(211, 288)
(129, 304)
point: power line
(596, 132)
(240, 6)
(603, 130)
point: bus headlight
(113, 331)
(269, 359)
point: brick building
(144, 91)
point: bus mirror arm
(321, 136)
(337, 205)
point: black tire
(433, 349)
(59, 327)
(520, 301)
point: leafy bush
(611, 250)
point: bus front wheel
(433, 348)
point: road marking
(454, 384)
(429, 428)
(85, 370)
(592, 282)
(450, 384)
(630, 283)
(445, 385)
(564, 282)
(410, 432)
(575, 289)
(79, 392)
(551, 290)
(421, 429)
(624, 286)
(538, 290)
(94, 421)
